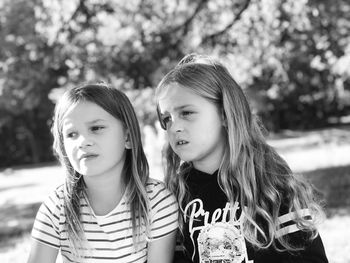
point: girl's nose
(176, 125)
(85, 141)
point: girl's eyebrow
(178, 108)
(69, 124)
(182, 106)
(95, 121)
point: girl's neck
(212, 162)
(207, 170)
(105, 193)
(208, 167)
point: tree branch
(225, 29)
(81, 8)
(189, 20)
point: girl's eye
(186, 113)
(71, 135)
(97, 128)
(165, 121)
(166, 118)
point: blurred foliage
(291, 57)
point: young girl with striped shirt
(108, 209)
(239, 199)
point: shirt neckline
(113, 211)
(197, 175)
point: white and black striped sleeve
(46, 228)
(164, 210)
(313, 249)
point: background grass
(321, 156)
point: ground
(321, 156)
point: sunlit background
(292, 59)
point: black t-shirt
(213, 230)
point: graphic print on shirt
(220, 238)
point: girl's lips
(87, 156)
(181, 142)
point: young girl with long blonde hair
(239, 199)
(108, 209)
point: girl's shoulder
(58, 192)
(157, 190)
(154, 185)
(163, 207)
(56, 198)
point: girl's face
(194, 127)
(94, 140)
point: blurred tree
(290, 57)
(27, 75)
(298, 84)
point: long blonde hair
(135, 171)
(251, 171)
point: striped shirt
(110, 236)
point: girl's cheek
(69, 149)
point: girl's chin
(186, 159)
(88, 173)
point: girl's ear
(127, 140)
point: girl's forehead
(85, 111)
(174, 90)
(173, 93)
(176, 96)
